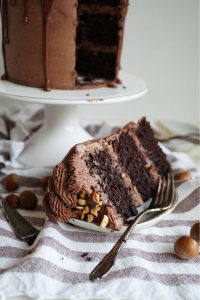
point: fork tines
(165, 192)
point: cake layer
(112, 183)
(96, 65)
(98, 9)
(99, 39)
(145, 135)
(134, 165)
(88, 46)
(94, 28)
(155, 154)
(105, 180)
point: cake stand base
(61, 130)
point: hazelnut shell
(183, 176)
(195, 232)
(11, 182)
(28, 200)
(186, 248)
(12, 200)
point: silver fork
(192, 138)
(164, 199)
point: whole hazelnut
(186, 248)
(195, 232)
(28, 200)
(11, 182)
(182, 176)
(13, 200)
(44, 183)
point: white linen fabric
(57, 265)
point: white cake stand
(61, 129)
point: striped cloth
(58, 263)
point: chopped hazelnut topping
(94, 212)
(90, 218)
(95, 197)
(76, 214)
(82, 202)
(86, 210)
(104, 222)
(82, 195)
(79, 207)
(148, 166)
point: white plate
(146, 221)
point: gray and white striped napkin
(57, 265)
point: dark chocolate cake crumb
(84, 254)
(88, 258)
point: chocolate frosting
(71, 177)
(43, 54)
(41, 51)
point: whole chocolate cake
(103, 181)
(62, 44)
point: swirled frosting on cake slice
(104, 181)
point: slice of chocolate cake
(103, 181)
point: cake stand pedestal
(61, 129)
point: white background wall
(161, 46)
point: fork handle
(187, 138)
(109, 259)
